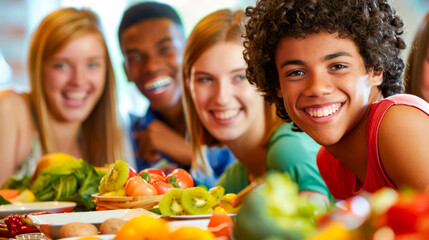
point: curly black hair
(373, 25)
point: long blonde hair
(220, 26)
(416, 58)
(100, 135)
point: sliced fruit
(115, 178)
(171, 203)
(117, 193)
(9, 193)
(217, 192)
(196, 201)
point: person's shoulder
(404, 121)
(11, 101)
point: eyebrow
(160, 42)
(164, 40)
(335, 55)
(326, 58)
(207, 73)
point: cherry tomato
(154, 171)
(136, 186)
(156, 178)
(221, 225)
(131, 173)
(162, 187)
(405, 215)
(183, 178)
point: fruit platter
(123, 188)
(270, 209)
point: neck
(250, 149)
(66, 137)
(352, 149)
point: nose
(224, 92)
(318, 84)
(152, 64)
(78, 75)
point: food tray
(113, 202)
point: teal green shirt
(288, 151)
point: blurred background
(19, 18)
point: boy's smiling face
(324, 84)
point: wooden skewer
(243, 193)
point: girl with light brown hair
(71, 107)
(222, 108)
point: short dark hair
(373, 25)
(145, 11)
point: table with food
(68, 198)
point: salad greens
(72, 181)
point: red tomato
(156, 178)
(183, 178)
(154, 171)
(131, 173)
(162, 187)
(136, 186)
(404, 216)
(221, 225)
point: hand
(159, 138)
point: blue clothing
(219, 158)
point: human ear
(376, 78)
(125, 66)
(187, 85)
(279, 92)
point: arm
(158, 137)
(11, 108)
(403, 146)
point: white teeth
(323, 112)
(160, 83)
(223, 115)
(76, 95)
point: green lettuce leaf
(72, 181)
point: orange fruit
(221, 225)
(89, 238)
(143, 227)
(191, 233)
(9, 193)
(51, 159)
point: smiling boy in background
(152, 39)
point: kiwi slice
(171, 203)
(115, 178)
(197, 201)
(217, 192)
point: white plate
(104, 236)
(197, 216)
(50, 224)
(201, 223)
(24, 208)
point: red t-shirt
(340, 180)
